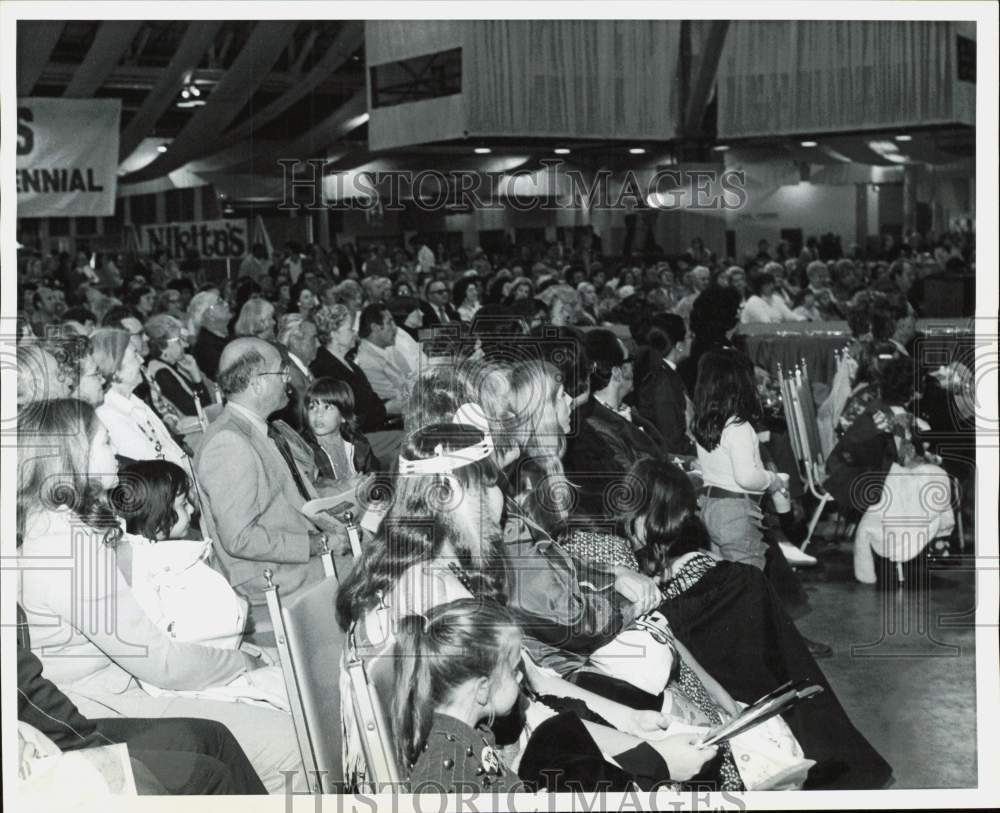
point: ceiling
(285, 88)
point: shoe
(797, 557)
(818, 650)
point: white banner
(212, 239)
(67, 157)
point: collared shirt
(387, 372)
(137, 432)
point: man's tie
(286, 452)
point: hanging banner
(67, 157)
(211, 239)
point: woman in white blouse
(766, 306)
(136, 431)
(92, 635)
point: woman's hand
(683, 757)
(647, 725)
(537, 678)
(639, 589)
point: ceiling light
(904, 137)
(720, 147)
(561, 150)
(194, 91)
(482, 150)
(185, 93)
(161, 148)
(637, 151)
(809, 144)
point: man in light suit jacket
(255, 479)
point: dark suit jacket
(252, 506)
(42, 705)
(603, 449)
(663, 402)
(369, 408)
(431, 318)
(858, 465)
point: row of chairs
(310, 649)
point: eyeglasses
(438, 291)
(284, 372)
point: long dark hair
(421, 519)
(145, 496)
(660, 505)
(437, 652)
(726, 389)
(54, 440)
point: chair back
(310, 644)
(371, 697)
(800, 415)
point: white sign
(67, 157)
(212, 239)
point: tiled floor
(903, 667)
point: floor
(903, 666)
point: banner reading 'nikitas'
(67, 157)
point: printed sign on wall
(67, 157)
(212, 239)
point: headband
(446, 462)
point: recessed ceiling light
(561, 151)
(808, 143)
(482, 150)
(720, 147)
(637, 151)
(904, 137)
(161, 148)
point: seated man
(387, 370)
(256, 478)
(662, 398)
(610, 436)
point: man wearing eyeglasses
(256, 477)
(436, 307)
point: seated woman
(341, 450)
(174, 370)
(94, 639)
(136, 431)
(883, 450)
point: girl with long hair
(457, 668)
(726, 409)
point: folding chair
(310, 644)
(370, 694)
(800, 415)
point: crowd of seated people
(570, 492)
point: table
(788, 343)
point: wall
(814, 208)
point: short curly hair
(329, 319)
